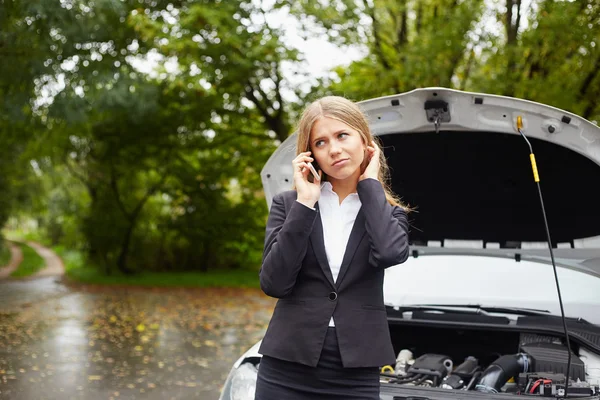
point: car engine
(537, 368)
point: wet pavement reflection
(62, 342)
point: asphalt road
(63, 342)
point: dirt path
(15, 260)
(54, 265)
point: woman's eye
(318, 143)
(342, 134)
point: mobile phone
(314, 171)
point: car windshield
(492, 282)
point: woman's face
(337, 148)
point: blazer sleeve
(286, 243)
(386, 225)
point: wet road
(61, 342)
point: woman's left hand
(372, 170)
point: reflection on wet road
(58, 342)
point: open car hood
(471, 181)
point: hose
(501, 370)
(420, 380)
(405, 379)
(408, 379)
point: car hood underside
(470, 180)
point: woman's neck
(344, 187)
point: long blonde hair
(349, 113)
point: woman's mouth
(340, 163)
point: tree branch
(454, 61)
(252, 97)
(277, 82)
(275, 123)
(587, 82)
(589, 110)
(265, 98)
(80, 177)
(149, 193)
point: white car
(474, 312)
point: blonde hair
(349, 113)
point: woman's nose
(335, 149)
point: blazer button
(333, 296)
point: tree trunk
(207, 256)
(122, 261)
(107, 269)
(131, 217)
(511, 44)
(419, 16)
(463, 84)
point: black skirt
(329, 380)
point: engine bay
(490, 362)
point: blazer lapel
(318, 243)
(356, 235)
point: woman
(327, 244)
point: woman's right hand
(308, 192)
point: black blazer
(295, 270)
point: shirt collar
(327, 187)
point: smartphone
(314, 171)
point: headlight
(243, 382)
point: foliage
(410, 44)
(546, 52)
(553, 58)
(22, 57)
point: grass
(4, 253)
(32, 262)
(77, 271)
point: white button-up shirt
(338, 220)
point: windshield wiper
(473, 309)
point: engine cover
(552, 358)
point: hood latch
(437, 112)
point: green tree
(543, 50)
(230, 48)
(551, 56)
(409, 44)
(169, 160)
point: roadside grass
(32, 262)
(78, 271)
(4, 253)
